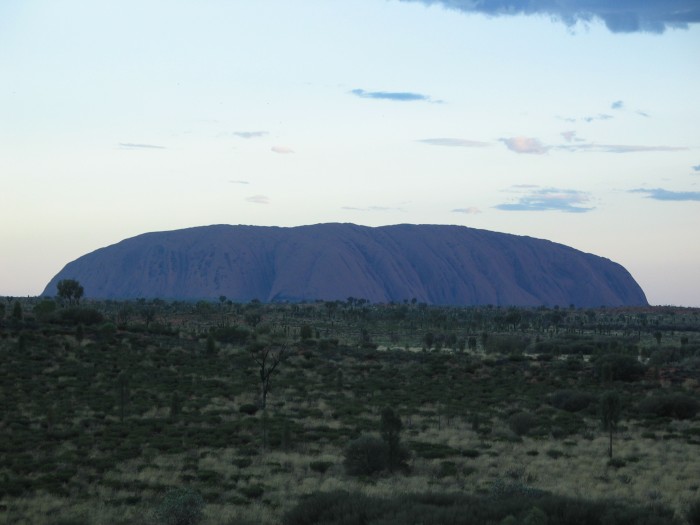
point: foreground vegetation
(172, 412)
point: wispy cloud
(618, 104)
(471, 210)
(599, 116)
(660, 194)
(133, 145)
(643, 113)
(398, 96)
(259, 199)
(249, 134)
(696, 168)
(631, 16)
(282, 150)
(239, 182)
(525, 145)
(549, 199)
(456, 143)
(620, 148)
(568, 135)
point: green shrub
(619, 367)
(433, 450)
(447, 468)
(677, 406)
(253, 491)
(522, 423)
(571, 400)
(616, 463)
(320, 466)
(693, 513)
(180, 507)
(365, 456)
(535, 516)
(232, 334)
(76, 316)
(248, 408)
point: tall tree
(70, 290)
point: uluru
(434, 264)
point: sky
(576, 121)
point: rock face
(447, 265)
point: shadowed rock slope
(447, 265)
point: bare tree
(267, 356)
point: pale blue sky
(122, 118)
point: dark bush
(248, 408)
(180, 507)
(365, 456)
(516, 506)
(320, 466)
(254, 491)
(232, 334)
(693, 513)
(619, 367)
(506, 344)
(44, 309)
(521, 423)
(571, 400)
(86, 316)
(677, 406)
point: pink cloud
(471, 210)
(283, 150)
(525, 145)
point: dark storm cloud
(390, 95)
(660, 194)
(628, 16)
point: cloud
(654, 16)
(660, 194)
(568, 135)
(525, 145)
(459, 143)
(239, 182)
(249, 134)
(620, 148)
(599, 116)
(617, 104)
(132, 145)
(282, 150)
(258, 199)
(549, 199)
(643, 113)
(471, 210)
(696, 168)
(389, 95)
